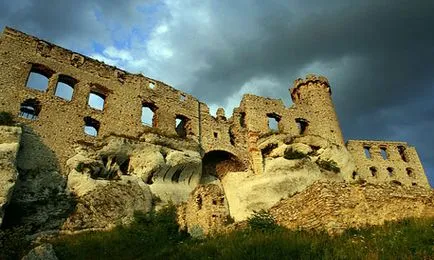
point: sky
(378, 55)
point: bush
(6, 118)
(329, 165)
(13, 243)
(293, 155)
(262, 221)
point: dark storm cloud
(392, 43)
(377, 54)
(73, 24)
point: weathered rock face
(42, 252)
(9, 144)
(110, 183)
(335, 207)
(205, 212)
(39, 198)
(102, 204)
(290, 166)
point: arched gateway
(219, 162)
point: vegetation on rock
(6, 118)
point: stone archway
(219, 162)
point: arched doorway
(218, 163)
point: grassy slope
(156, 237)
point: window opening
(181, 126)
(243, 119)
(38, 79)
(216, 135)
(354, 175)
(65, 87)
(401, 150)
(182, 97)
(151, 85)
(410, 172)
(373, 171)
(231, 137)
(383, 153)
(273, 122)
(302, 125)
(199, 201)
(96, 100)
(367, 150)
(30, 109)
(148, 117)
(91, 126)
(390, 171)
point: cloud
(376, 53)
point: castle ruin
(225, 143)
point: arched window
(30, 109)
(96, 100)
(39, 77)
(91, 126)
(65, 87)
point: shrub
(329, 165)
(13, 243)
(293, 155)
(262, 221)
(6, 118)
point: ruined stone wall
(337, 206)
(314, 107)
(380, 161)
(60, 123)
(258, 110)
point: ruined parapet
(314, 105)
(383, 161)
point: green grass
(156, 236)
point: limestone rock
(42, 252)
(144, 163)
(299, 148)
(9, 145)
(102, 204)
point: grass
(156, 236)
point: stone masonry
(60, 122)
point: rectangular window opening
(383, 151)
(302, 125)
(367, 150)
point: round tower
(315, 110)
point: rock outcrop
(290, 166)
(42, 252)
(9, 144)
(122, 176)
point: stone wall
(380, 161)
(337, 206)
